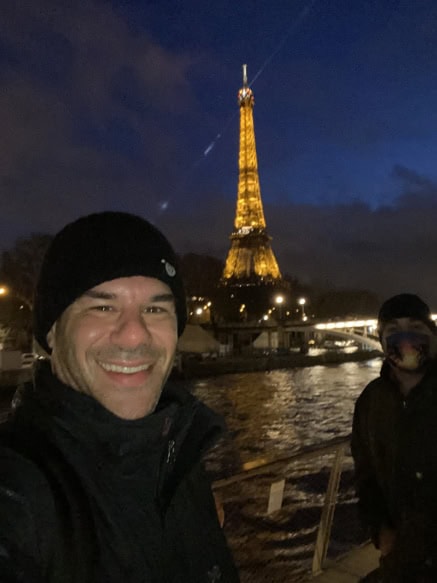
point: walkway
(351, 567)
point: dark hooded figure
(394, 445)
(101, 479)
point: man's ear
(51, 336)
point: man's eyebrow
(162, 298)
(102, 295)
(99, 295)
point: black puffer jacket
(394, 445)
(88, 497)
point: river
(270, 415)
(283, 411)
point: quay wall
(191, 368)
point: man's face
(117, 343)
(408, 343)
(403, 325)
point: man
(100, 473)
(394, 444)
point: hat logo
(170, 270)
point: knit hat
(405, 306)
(98, 248)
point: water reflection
(280, 412)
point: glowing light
(279, 300)
(302, 302)
(3, 290)
(347, 324)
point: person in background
(101, 478)
(394, 445)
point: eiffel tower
(250, 261)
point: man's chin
(408, 368)
(132, 406)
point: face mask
(408, 351)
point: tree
(20, 266)
(201, 274)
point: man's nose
(131, 330)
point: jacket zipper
(171, 451)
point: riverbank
(191, 368)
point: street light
(279, 300)
(302, 302)
(3, 290)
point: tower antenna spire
(244, 75)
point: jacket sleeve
(20, 540)
(372, 505)
(196, 526)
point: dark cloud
(68, 130)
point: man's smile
(124, 368)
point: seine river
(270, 415)
(282, 411)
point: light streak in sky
(209, 148)
(291, 30)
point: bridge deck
(351, 567)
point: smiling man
(100, 465)
(394, 445)
(116, 343)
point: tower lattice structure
(250, 260)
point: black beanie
(98, 248)
(405, 306)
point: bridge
(274, 334)
(362, 332)
(271, 333)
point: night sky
(133, 106)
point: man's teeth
(123, 368)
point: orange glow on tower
(250, 259)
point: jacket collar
(427, 380)
(50, 403)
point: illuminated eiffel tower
(250, 261)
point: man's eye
(102, 308)
(155, 310)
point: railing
(279, 514)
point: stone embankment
(192, 368)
